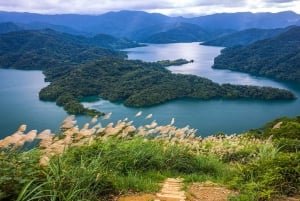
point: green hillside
(182, 32)
(244, 37)
(42, 49)
(111, 42)
(278, 57)
(140, 84)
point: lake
(20, 104)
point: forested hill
(6, 27)
(140, 84)
(41, 49)
(182, 32)
(111, 42)
(277, 57)
(244, 37)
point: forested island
(177, 62)
(141, 84)
(277, 57)
(76, 68)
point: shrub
(17, 169)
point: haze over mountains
(137, 25)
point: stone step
(171, 189)
(171, 192)
(171, 196)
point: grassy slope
(101, 162)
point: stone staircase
(171, 191)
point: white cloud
(169, 7)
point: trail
(171, 191)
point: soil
(206, 191)
(137, 197)
(209, 191)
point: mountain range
(244, 37)
(138, 25)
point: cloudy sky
(168, 7)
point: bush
(288, 145)
(267, 177)
(17, 169)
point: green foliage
(288, 145)
(267, 93)
(110, 167)
(244, 37)
(42, 49)
(110, 42)
(177, 62)
(259, 169)
(183, 32)
(136, 155)
(289, 129)
(140, 84)
(283, 128)
(17, 169)
(277, 57)
(271, 173)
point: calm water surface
(19, 97)
(19, 103)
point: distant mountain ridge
(133, 24)
(244, 37)
(101, 40)
(9, 27)
(277, 57)
(182, 32)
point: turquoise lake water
(19, 102)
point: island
(177, 62)
(140, 84)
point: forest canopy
(140, 84)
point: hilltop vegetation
(110, 42)
(42, 49)
(277, 57)
(98, 163)
(141, 84)
(6, 27)
(244, 37)
(182, 32)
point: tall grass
(93, 164)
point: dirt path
(172, 190)
(208, 191)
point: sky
(168, 7)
